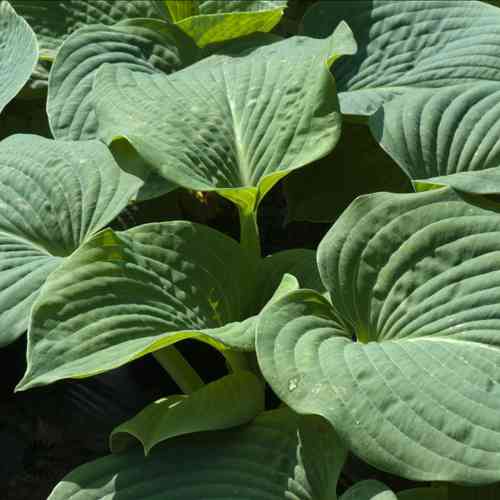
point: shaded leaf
(230, 401)
(279, 455)
(407, 45)
(357, 165)
(414, 279)
(369, 490)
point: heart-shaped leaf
(54, 20)
(18, 53)
(410, 44)
(445, 136)
(142, 45)
(236, 127)
(278, 456)
(136, 292)
(230, 401)
(53, 195)
(414, 279)
(218, 21)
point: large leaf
(357, 165)
(53, 196)
(18, 53)
(217, 21)
(414, 279)
(135, 292)
(446, 136)
(236, 127)
(278, 456)
(230, 401)
(54, 20)
(410, 44)
(147, 46)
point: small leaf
(180, 9)
(148, 46)
(53, 196)
(408, 45)
(458, 146)
(280, 455)
(220, 21)
(414, 280)
(236, 127)
(230, 401)
(369, 490)
(18, 53)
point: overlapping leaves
(414, 279)
(122, 295)
(279, 455)
(407, 45)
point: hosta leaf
(236, 127)
(278, 456)
(143, 289)
(369, 490)
(414, 279)
(230, 401)
(357, 165)
(147, 46)
(407, 45)
(54, 20)
(18, 53)
(52, 197)
(446, 136)
(218, 21)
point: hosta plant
(365, 368)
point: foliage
(380, 117)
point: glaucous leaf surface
(230, 401)
(369, 490)
(280, 455)
(410, 44)
(236, 127)
(357, 165)
(218, 21)
(54, 20)
(52, 197)
(123, 295)
(414, 280)
(146, 46)
(18, 53)
(445, 136)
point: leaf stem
(176, 365)
(249, 230)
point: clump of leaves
(383, 343)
